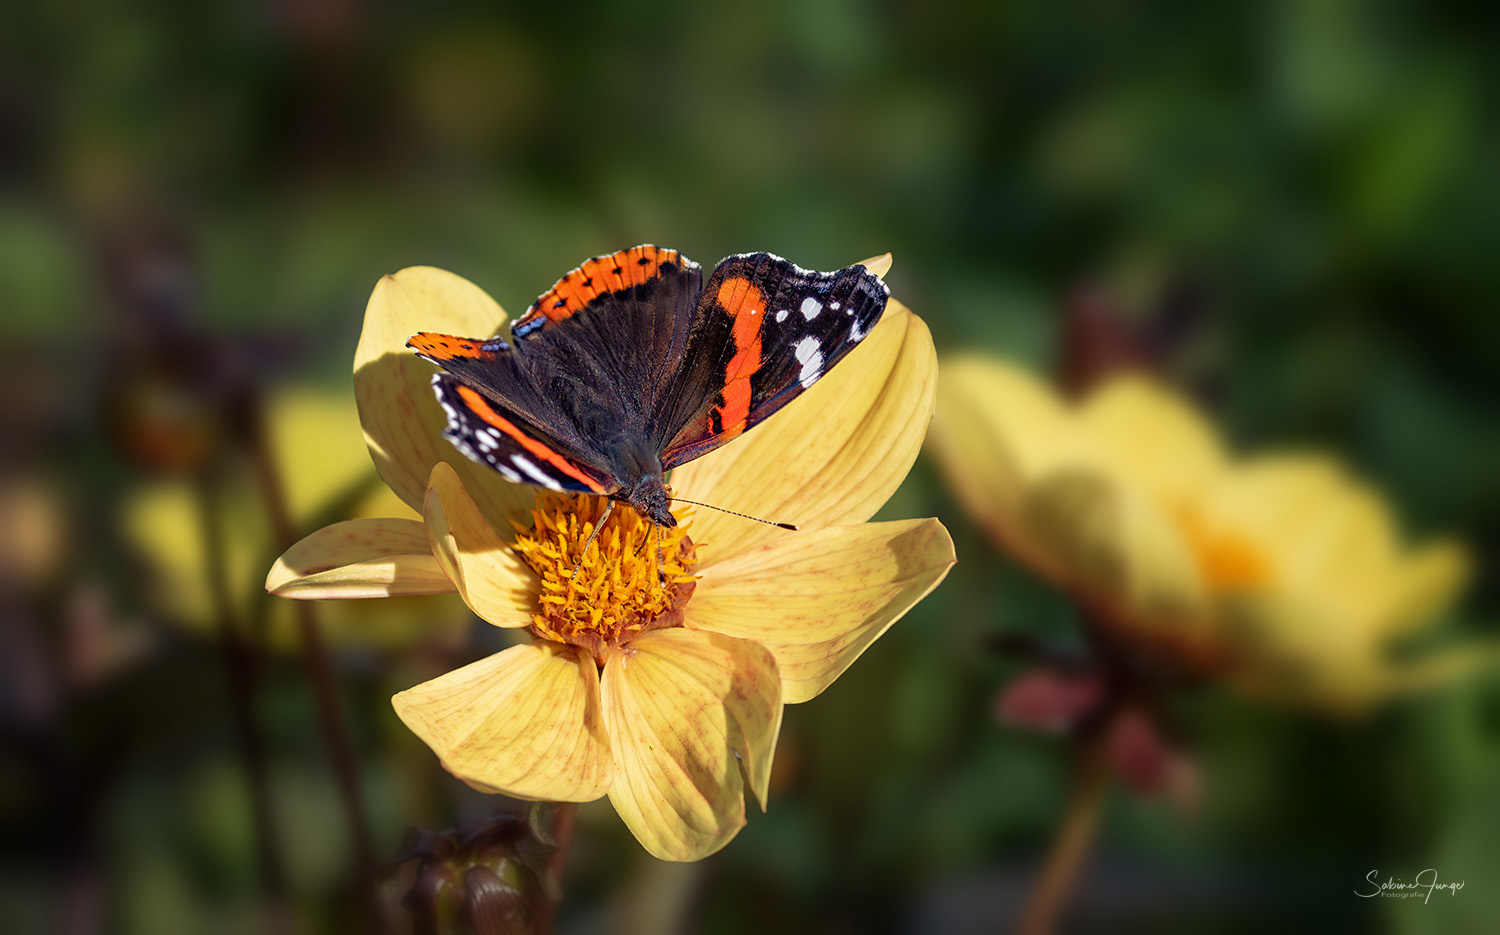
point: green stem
(241, 662)
(320, 674)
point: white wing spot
(508, 474)
(834, 306)
(811, 307)
(781, 315)
(535, 473)
(856, 333)
(810, 355)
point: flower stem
(320, 674)
(563, 823)
(1071, 845)
(564, 820)
(242, 662)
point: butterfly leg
(609, 506)
(660, 561)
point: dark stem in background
(563, 822)
(242, 663)
(1075, 836)
(320, 673)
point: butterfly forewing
(765, 330)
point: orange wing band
(481, 407)
(747, 306)
(440, 347)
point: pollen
(634, 576)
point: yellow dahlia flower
(657, 675)
(1280, 572)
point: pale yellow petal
(1294, 647)
(1423, 585)
(490, 577)
(1331, 535)
(318, 448)
(1308, 514)
(833, 456)
(879, 265)
(402, 420)
(818, 599)
(360, 558)
(1129, 559)
(1152, 437)
(686, 712)
(997, 429)
(525, 722)
(1038, 428)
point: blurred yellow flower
(1280, 572)
(323, 467)
(663, 691)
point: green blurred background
(203, 195)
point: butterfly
(629, 366)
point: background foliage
(1315, 182)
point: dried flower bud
(492, 879)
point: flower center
(1229, 562)
(634, 576)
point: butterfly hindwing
(508, 443)
(765, 330)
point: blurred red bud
(1049, 700)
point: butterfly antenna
(769, 522)
(609, 506)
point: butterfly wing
(765, 330)
(505, 441)
(583, 370)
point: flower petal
(1333, 536)
(833, 456)
(1152, 437)
(360, 558)
(686, 711)
(490, 577)
(1129, 560)
(879, 265)
(1426, 582)
(320, 452)
(402, 420)
(525, 722)
(1306, 511)
(818, 599)
(996, 430)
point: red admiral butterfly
(628, 367)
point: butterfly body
(630, 366)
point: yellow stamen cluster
(634, 576)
